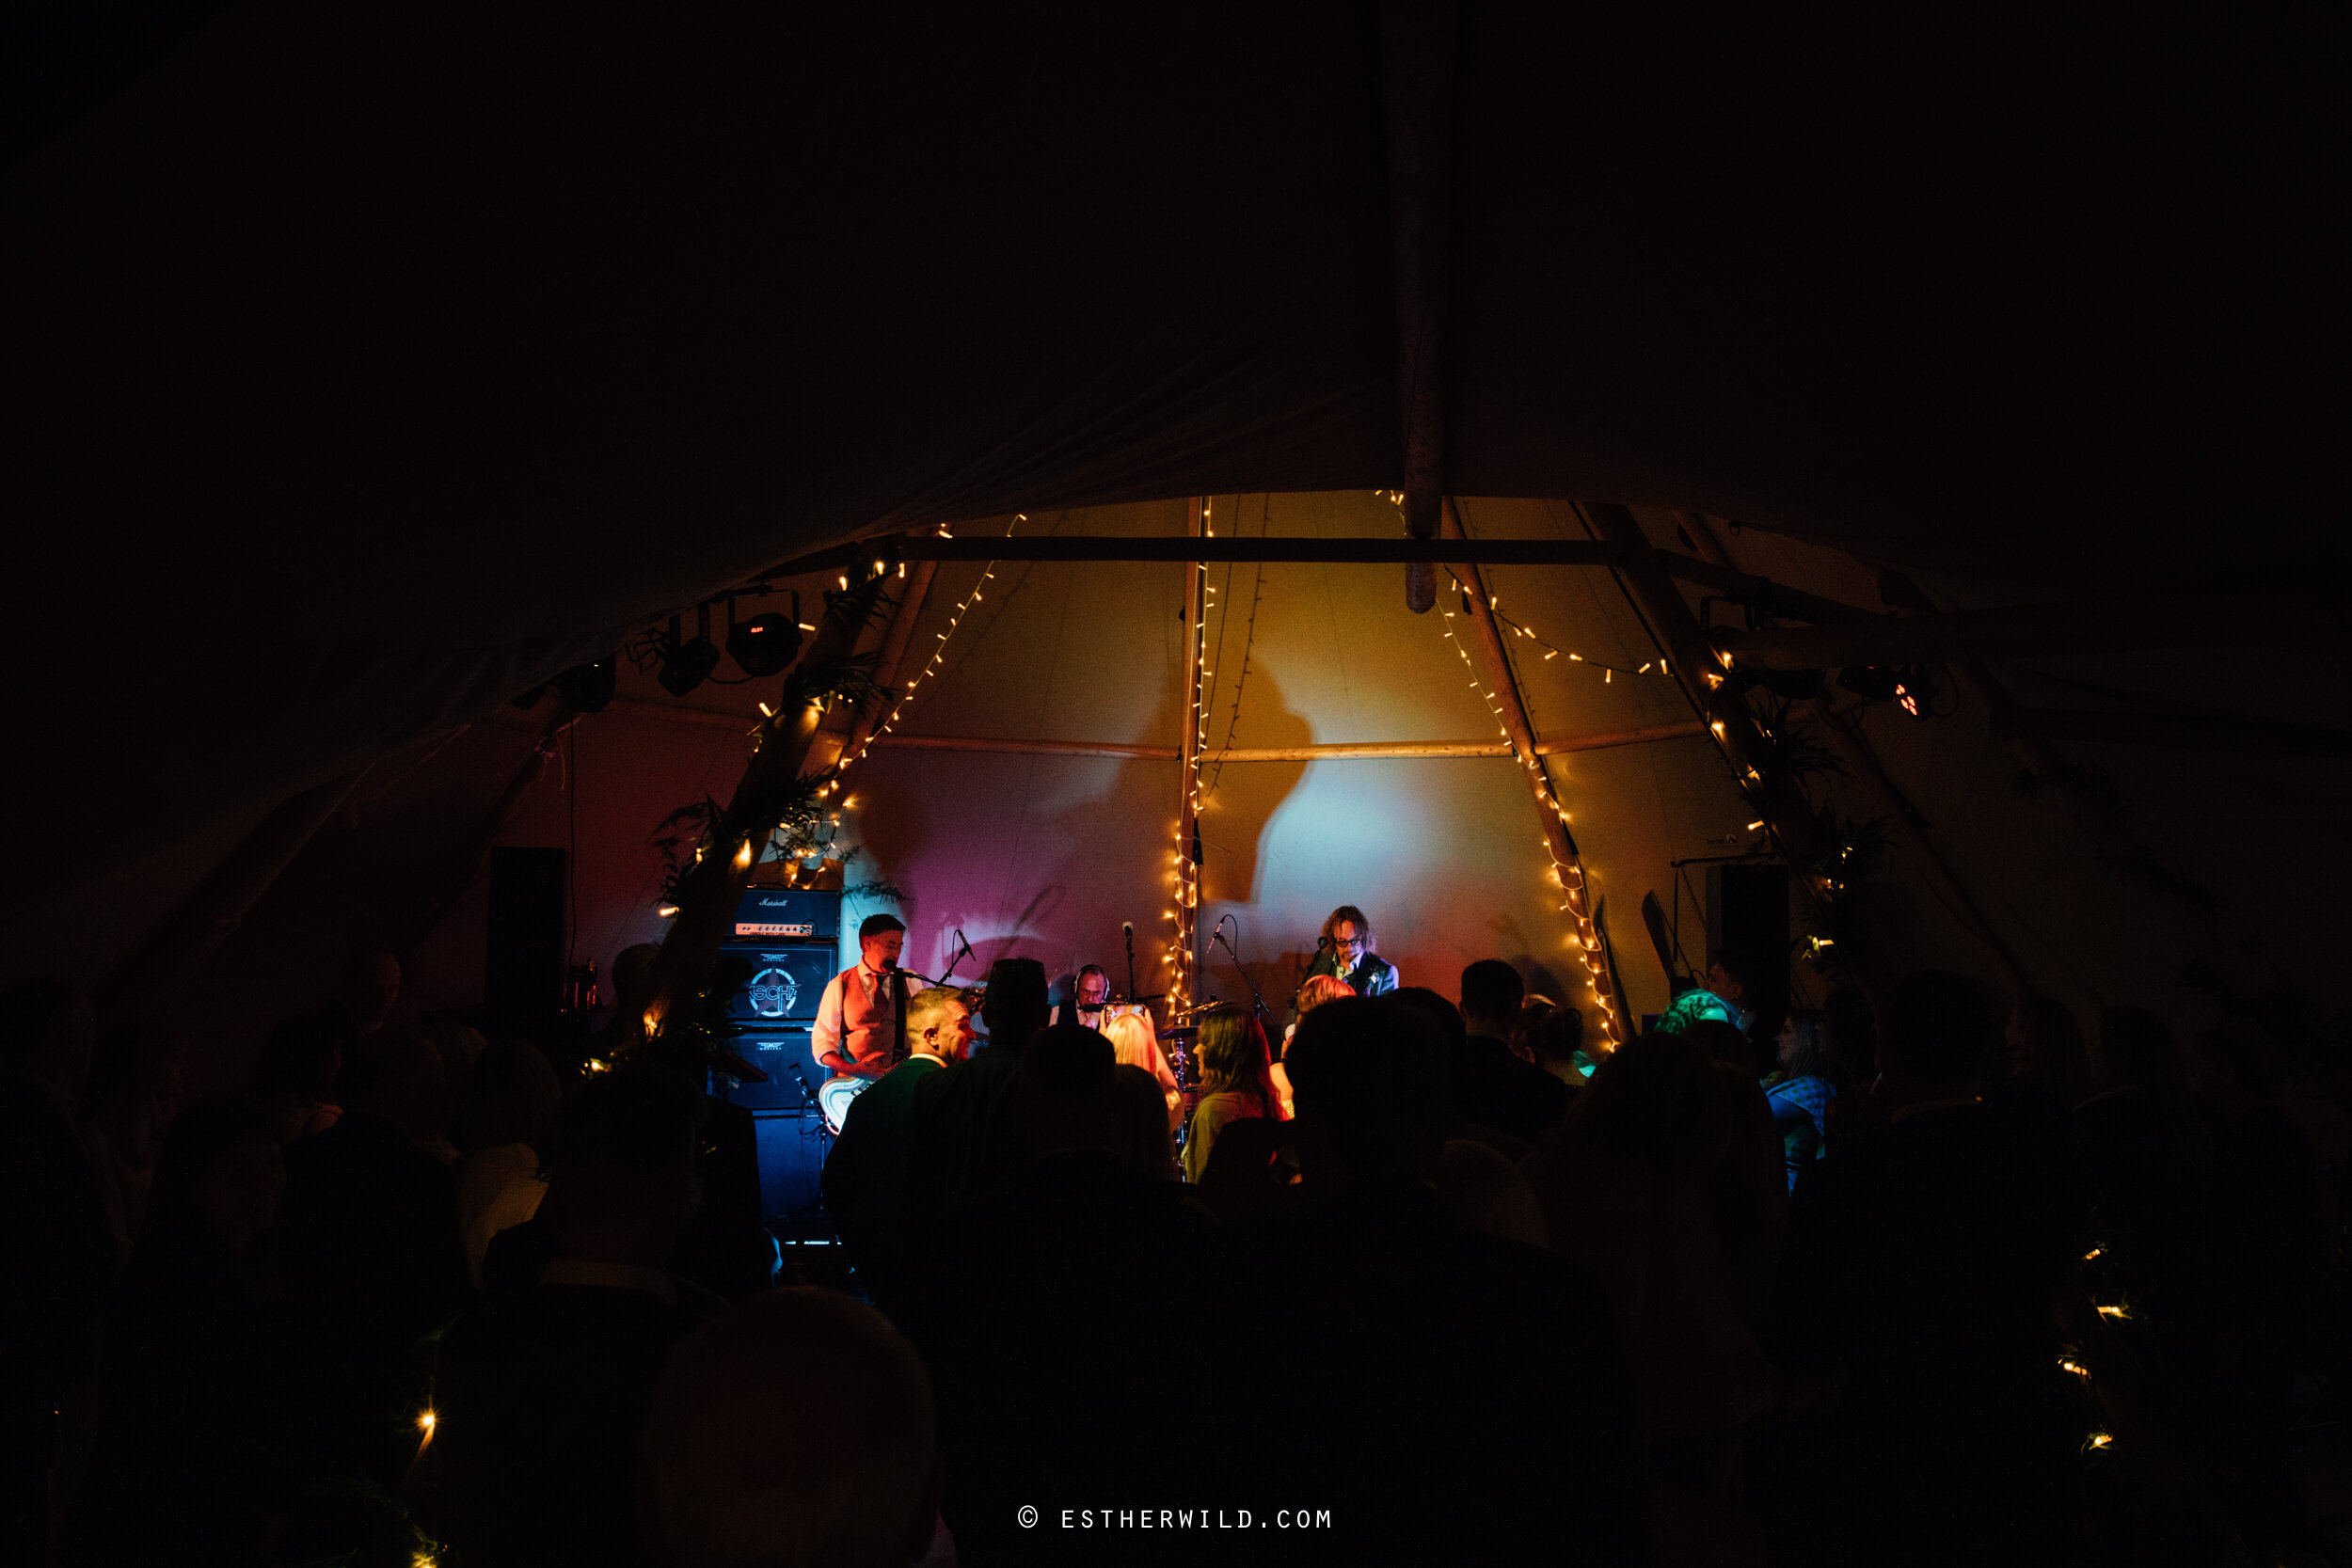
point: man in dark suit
(965, 1139)
(865, 1176)
(1492, 1087)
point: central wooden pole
(1699, 671)
(1568, 866)
(706, 899)
(915, 590)
(1185, 980)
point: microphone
(1321, 942)
(1127, 928)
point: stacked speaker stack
(791, 939)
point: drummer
(1090, 994)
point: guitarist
(861, 1029)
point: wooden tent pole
(1417, 103)
(706, 909)
(1183, 982)
(1884, 801)
(893, 655)
(1337, 751)
(162, 965)
(1780, 801)
(1702, 536)
(1567, 865)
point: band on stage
(876, 1014)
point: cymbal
(1182, 1032)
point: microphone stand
(964, 952)
(1216, 934)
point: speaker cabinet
(522, 980)
(792, 1147)
(778, 1054)
(787, 984)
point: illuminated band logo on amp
(773, 992)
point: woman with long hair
(1236, 1081)
(1135, 1045)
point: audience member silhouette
(370, 985)
(2262, 1324)
(1921, 1272)
(1486, 1192)
(865, 1173)
(968, 1143)
(59, 1250)
(1139, 1107)
(2139, 1142)
(539, 1395)
(373, 1261)
(1801, 1090)
(793, 1431)
(1041, 1344)
(1492, 1087)
(129, 1098)
(506, 1129)
(1663, 1182)
(295, 1076)
(1423, 1363)
(192, 1428)
(1555, 1043)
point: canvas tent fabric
(368, 364)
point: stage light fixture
(686, 665)
(587, 688)
(1907, 685)
(766, 643)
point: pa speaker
(523, 969)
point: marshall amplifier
(791, 937)
(770, 916)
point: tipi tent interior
(312, 474)
(372, 367)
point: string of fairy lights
(1567, 871)
(1184, 875)
(938, 654)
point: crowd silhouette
(1921, 1277)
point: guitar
(834, 1096)
(830, 1098)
